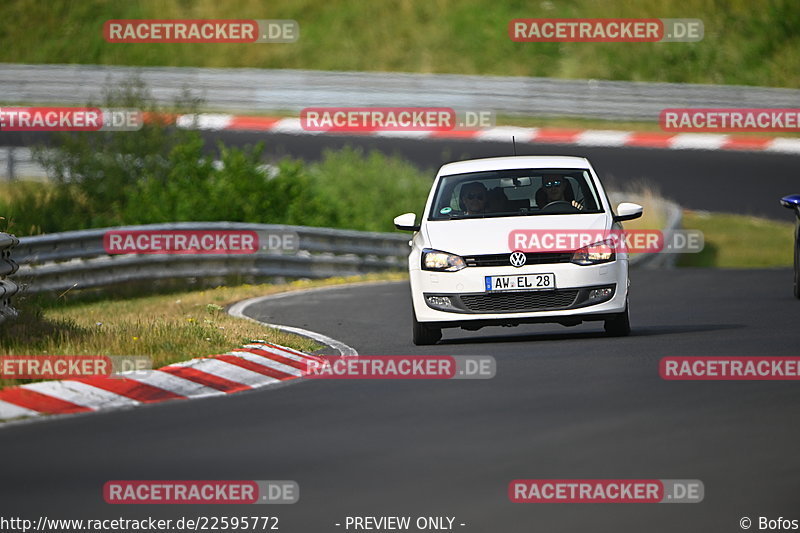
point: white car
(466, 273)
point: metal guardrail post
(10, 176)
(7, 267)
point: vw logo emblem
(517, 259)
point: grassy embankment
(745, 43)
(748, 43)
(165, 327)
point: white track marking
(603, 138)
(233, 373)
(81, 394)
(10, 410)
(238, 309)
(269, 363)
(789, 146)
(504, 133)
(281, 349)
(175, 384)
(205, 121)
(697, 141)
(681, 141)
(270, 349)
(292, 125)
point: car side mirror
(628, 211)
(792, 202)
(405, 222)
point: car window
(517, 192)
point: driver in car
(555, 190)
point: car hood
(490, 235)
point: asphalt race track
(566, 403)
(749, 183)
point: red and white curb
(580, 137)
(250, 367)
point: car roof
(520, 161)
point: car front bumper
(593, 292)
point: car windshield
(517, 192)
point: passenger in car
(472, 199)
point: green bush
(365, 191)
(162, 174)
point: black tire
(797, 266)
(424, 335)
(620, 325)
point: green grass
(737, 241)
(746, 42)
(164, 327)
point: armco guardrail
(264, 90)
(7, 267)
(78, 260)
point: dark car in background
(793, 202)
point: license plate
(522, 282)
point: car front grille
(518, 302)
(534, 258)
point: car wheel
(424, 335)
(620, 325)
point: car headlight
(594, 254)
(441, 261)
